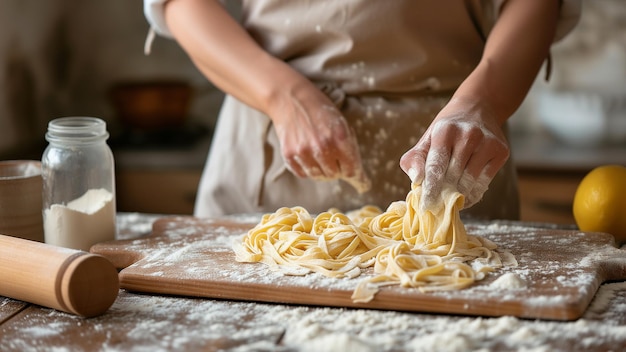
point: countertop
(141, 322)
(541, 151)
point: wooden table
(163, 323)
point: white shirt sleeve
(154, 12)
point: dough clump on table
(428, 249)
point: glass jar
(78, 183)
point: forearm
(226, 54)
(515, 50)
(316, 140)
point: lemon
(600, 201)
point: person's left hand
(464, 146)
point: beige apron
(389, 66)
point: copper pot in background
(151, 105)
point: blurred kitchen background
(70, 57)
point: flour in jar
(83, 222)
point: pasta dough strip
(407, 246)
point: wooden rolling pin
(70, 280)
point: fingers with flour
(413, 162)
(463, 148)
(489, 156)
(317, 142)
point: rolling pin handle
(65, 279)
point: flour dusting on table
(155, 323)
(183, 252)
(246, 327)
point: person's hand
(316, 140)
(464, 146)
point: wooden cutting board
(562, 270)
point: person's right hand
(316, 140)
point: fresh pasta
(406, 245)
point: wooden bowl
(21, 188)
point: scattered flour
(156, 323)
(159, 323)
(509, 281)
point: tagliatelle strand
(407, 246)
